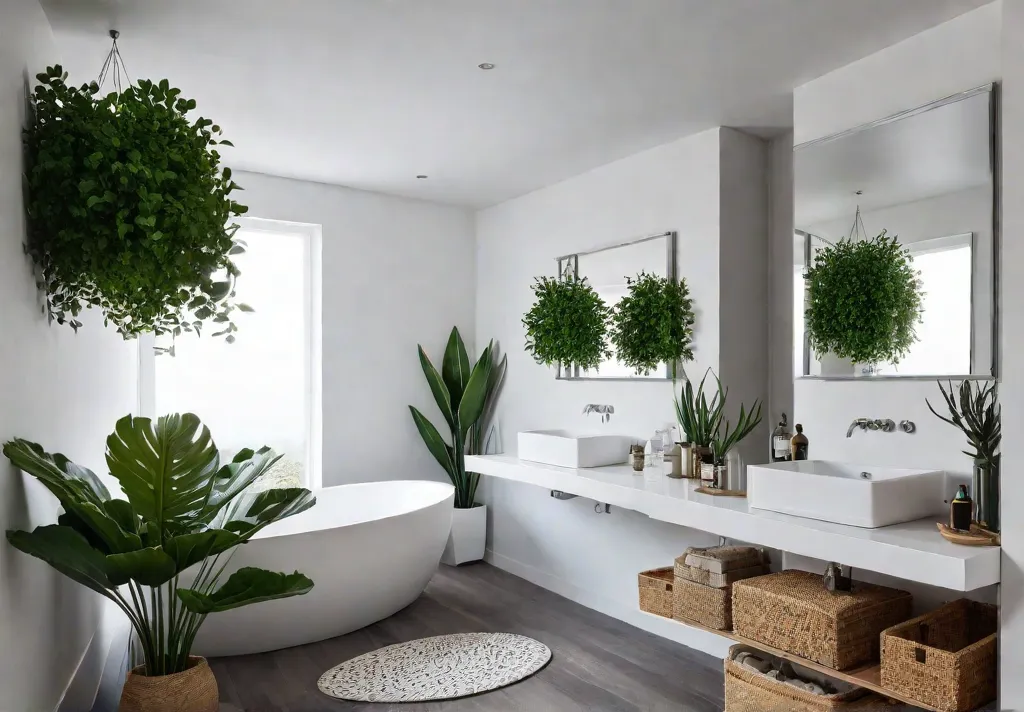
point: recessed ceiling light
(421, 176)
(485, 65)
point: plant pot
(194, 690)
(985, 492)
(468, 536)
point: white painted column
(1011, 634)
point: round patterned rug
(439, 668)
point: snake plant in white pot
(466, 395)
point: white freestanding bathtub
(370, 550)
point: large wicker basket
(656, 591)
(709, 606)
(946, 658)
(792, 611)
(747, 690)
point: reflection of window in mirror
(944, 334)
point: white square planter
(468, 536)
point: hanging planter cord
(113, 66)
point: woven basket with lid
(792, 611)
(723, 559)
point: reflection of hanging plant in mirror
(128, 208)
(567, 324)
(653, 323)
(864, 300)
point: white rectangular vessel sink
(566, 449)
(858, 495)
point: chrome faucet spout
(861, 423)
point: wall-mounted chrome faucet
(605, 411)
(886, 426)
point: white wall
(974, 49)
(1011, 393)
(906, 75)
(594, 558)
(395, 273)
(60, 389)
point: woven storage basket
(946, 658)
(194, 690)
(711, 607)
(792, 611)
(747, 690)
(708, 578)
(656, 591)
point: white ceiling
(370, 93)
(944, 150)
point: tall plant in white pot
(466, 395)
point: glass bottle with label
(799, 444)
(780, 441)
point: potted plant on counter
(184, 512)
(699, 419)
(977, 414)
(466, 395)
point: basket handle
(668, 588)
(920, 654)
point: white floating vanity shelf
(913, 551)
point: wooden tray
(715, 492)
(976, 537)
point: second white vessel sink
(858, 495)
(566, 449)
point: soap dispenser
(799, 444)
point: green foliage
(703, 421)
(567, 324)
(184, 508)
(977, 415)
(653, 323)
(863, 300)
(698, 418)
(128, 208)
(466, 396)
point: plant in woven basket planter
(567, 324)
(653, 323)
(128, 208)
(160, 554)
(863, 300)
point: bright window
(263, 389)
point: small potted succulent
(699, 419)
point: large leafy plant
(567, 324)
(184, 509)
(863, 300)
(128, 208)
(466, 395)
(653, 323)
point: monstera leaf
(183, 510)
(165, 470)
(245, 586)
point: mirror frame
(570, 265)
(993, 90)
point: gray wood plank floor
(598, 663)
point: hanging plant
(653, 323)
(864, 300)
(567, 324)
(128, 208)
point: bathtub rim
(446, 487)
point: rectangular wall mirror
(607, 269)
(928, 177)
